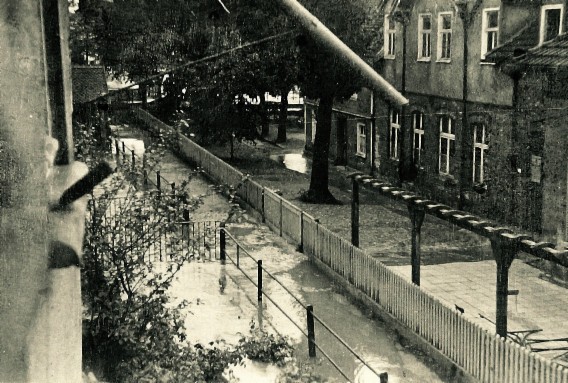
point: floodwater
(293, 161)
(223, 302)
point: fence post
(145, 175)
(504, 254)
(311, 331)
(133, 159)
(262, 199)
(222, 243)
(117, 147)
(384, 377)
(416, 218)
(123, 150)
(173, 189)
(355, 214)
(259, 275)
(301, 247)
(158, 180)
(281, 216)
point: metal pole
(416, 218)
(504, 254)
(355, 214)
(222, 242)
(133, 159)
(311, 331)
(327, 38)
(259, 275)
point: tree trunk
(264, 121)
(283, 117)
(319, 183)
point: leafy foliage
(133, 332)
(265, 347)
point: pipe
(321, 33)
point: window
(361, 140)
(394, 134)
(480, 146)
(390, 35)
(447, 144)
(489, 30)
(550, 21)
(418, 127)
(424, 32)
(445, 37)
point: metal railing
(309, 333)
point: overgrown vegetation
(132, 331)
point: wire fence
(310, 315)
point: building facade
(352, 140)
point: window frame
(394, 127)
(483, 146)
(418, 131)
(361, 139)
(389, 38)
(485, 30)
(421, 33)
(440, 34)
(450, 138)
(542, 31)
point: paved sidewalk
(471, 286)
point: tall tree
(277, 68)
(326, 78)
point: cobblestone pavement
(457, 266)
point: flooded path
(224, 302)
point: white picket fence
(484, 355)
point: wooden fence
(484, 355)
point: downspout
(465, 173)
(373, 134)
(405, 159)
(324, 36)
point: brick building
(455, 135)
(351, 131)
(537, 60)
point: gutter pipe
(323, 35)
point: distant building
(491, 142)
(536, 59)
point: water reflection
(293, 161)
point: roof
(89, 83)
(517, 45)
(552, 54)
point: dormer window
(551, 21)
